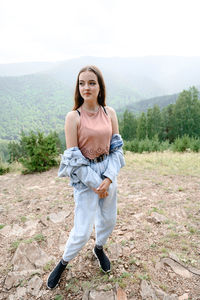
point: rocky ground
(154, 248)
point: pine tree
(129, 126)
(187, 113)
(142, 127)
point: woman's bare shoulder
(72, 116)
(110, 110)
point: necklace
(91, 111)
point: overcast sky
(54, 30)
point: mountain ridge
(42, 99)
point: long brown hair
(78, 100)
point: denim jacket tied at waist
(77, 167)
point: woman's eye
(80, 83)
(92, 83)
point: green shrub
(186, 143)
(195, 145)
(4, 150)
(39, 151)
(146, 145)
(3, 167)
(164, 146)
(131, 145)
(15, 151)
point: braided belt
(98, 159)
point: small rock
(86, 295)
(6, 230)
(115, 251)
(95, 295)
(177, 268)
(58, 217)
(158, 265)
(156, 218)
(21, 292)
(29, 229)
(126, 251)
(194, 270)
(29, 256)
(184, 297)
(35, 285)
(14, 278)
(129, 236)
(121, 295)
(147, 292)
(138, 216)
(162, 295)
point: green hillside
(144, 105)
(32, 102)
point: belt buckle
(101, 157)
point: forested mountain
(32, 102)
(144, 105)
(41, 100)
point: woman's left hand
(103, 188)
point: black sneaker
(55, 276)
(103, 260)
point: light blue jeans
(90, 211)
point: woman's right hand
(102, 194)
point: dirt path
(154, 248)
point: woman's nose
(86, 86)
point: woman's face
(88, 86)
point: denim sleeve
(76, 166)
(116, 157)
(88, 176)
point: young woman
(92, 160)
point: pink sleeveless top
(94, 133)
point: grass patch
(58, 297)
(144, 276)
(2, 226)
(23, 219)
(39, 237)
(72, 285)
(48, 266)
(165, 163)
(15, 245)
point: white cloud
(58, 29)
